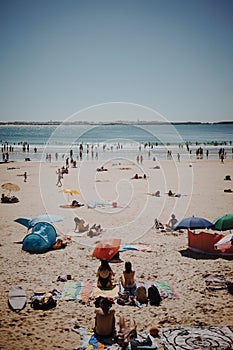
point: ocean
(104, 141)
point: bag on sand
(140, 295)
(154, 296)
(44, 302)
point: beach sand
(201, 185)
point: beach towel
(89, 341)
(81, 291)
(86, 292)
(111, 293)
(215, 282)
(201, 338)
(166, 290)
(140, 247)
(71, 290)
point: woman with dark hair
(128, 281)
(104, 329)
(104, 275)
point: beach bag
(140, 295)
(44, 302)
(154, 296)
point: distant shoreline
(21, 123)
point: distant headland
(119, 122)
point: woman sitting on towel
(128, 281)
(104, 275)
(104, 328)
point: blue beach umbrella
(193, 223)
(30, 222)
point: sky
(62, 56)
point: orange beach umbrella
(107, 248)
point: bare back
(104, 322)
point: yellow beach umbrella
(10, 187)
(69, 191)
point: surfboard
(17, 298)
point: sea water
(117, 140)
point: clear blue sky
(60, 56)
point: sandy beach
(200, 184)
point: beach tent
(205, 242)
(41, 239)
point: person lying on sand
(171, 194)
(76, 204)
(102, 169)
(95, 230)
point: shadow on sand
(188, 253)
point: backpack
(154, 296)
(140, 295)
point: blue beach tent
(41, 239)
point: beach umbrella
(69, 191)
(224, 222)
(10, 187)
(107, 248)
(193, 223)
(225, 242)
(30, 222)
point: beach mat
(215, 282)
(86, 292)
(89, 341)
(139, 247)
(71, 290)
(166, 290)
(111, 293)
(201, 338)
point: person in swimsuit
(104, 275)
(104, 329)
(127, 280)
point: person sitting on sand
(95, 230)
(127, 331)
(104, 330)
(80, 225)
(158, 225)
(128, 281)
(171, 223)
(104, 275)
